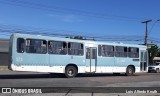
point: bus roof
(35, 36)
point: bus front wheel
(70, 72)
(129, 71)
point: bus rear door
(144, 61)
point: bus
(41, 53)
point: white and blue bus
(38, 53)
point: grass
(3, 67)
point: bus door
(144, 61)
(91, 59)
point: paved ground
(29, 79)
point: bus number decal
(19, 59)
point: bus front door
(91, 59)
(144, 61)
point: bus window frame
(75, 49)
(133, 54)
(107, 53)
(60, 50)
(121, 53)
(20, 49)
(35, 47)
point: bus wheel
(70, 72)
(129, 71)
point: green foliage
(158, 53)
(153, 52)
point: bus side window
(44, 46)
(133, 52)
(36, 46)
(75, 49)
(107, 51)
(20, 45)
(120, 51)
(57, 47)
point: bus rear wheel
(70, 72)
(129, 71)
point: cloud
(66, 18)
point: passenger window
(36, 46)
(133, 52)
(120, 51)
(20, 45)
(57, 47)
(75, 48)
(107, 51)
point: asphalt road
(29, 79)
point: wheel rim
(130, 71)
(70, 72)
(157, 70)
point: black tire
(157, 70)
(70, 72)
(129, 71)
(149, 71)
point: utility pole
(146, 34)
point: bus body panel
(105, 64)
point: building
(4, 49)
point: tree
(153, 52)
(158, 52)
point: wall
(4, 58)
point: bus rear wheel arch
(71, 71)
(130, 70)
